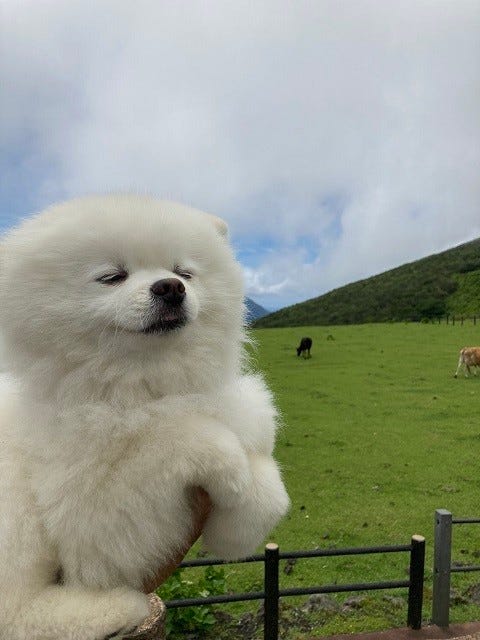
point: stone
(354, 602)
(321, 602)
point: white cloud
(261, 283)
(348, 127)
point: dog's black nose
(170, 290)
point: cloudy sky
(338, 138)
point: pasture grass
(376, 435)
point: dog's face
(117, 272)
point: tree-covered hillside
(444, 283)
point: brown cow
(469, 357)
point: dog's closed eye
(183, 273)
(113, 278)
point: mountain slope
(443, 283)
(254, 310)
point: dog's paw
(228, 536)
(236, 532)
(127, 610)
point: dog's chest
(113, 514)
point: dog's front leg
(216, 461)
(235, 531)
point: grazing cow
(304, 348)
(469, 357)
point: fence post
(270, 629)
(442, 557)
(415, 590)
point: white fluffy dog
(122, 320)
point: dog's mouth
(168, 322)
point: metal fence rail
(272, 593)
(442, 564)
(455, 319)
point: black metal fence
(442, 564)
(272, 593)
(453, 320)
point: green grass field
(376, 435)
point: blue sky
(338, 139)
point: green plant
(191, 619)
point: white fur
(104, 428)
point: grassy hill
(444, 283)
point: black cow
(304, 348)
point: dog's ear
(220, 225)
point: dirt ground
(467, 631)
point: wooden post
(270, 631)
(415, 591)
